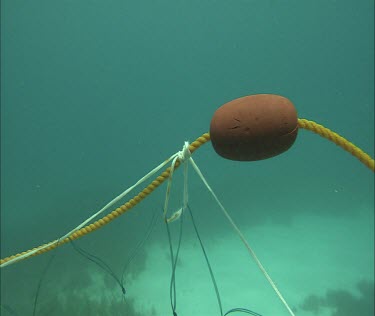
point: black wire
(176, 258)
(172, 256)
(139, 245)
(100, 263)
(172, 287)
(243, 310)
(52, 257)
(233, 310)
(207, 261)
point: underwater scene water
(95, 94)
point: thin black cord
(207, 261)
(243, 310)
(172, 287)
(172, 256)
(100, 263)
(139, 245)
(233, 310)
(42, 278)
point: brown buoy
(254, 127)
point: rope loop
(185, 153)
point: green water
(94, 94)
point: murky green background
(94, 94)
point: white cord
(183, 156)
(242, 237)
(116, 199)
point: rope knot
(185, 153)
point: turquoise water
(94, 94)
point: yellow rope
(118, 211)
(338, 140)
(302, 123)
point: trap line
(250, 128)
(82, 230)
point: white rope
(242, 237)
(174, 157)
(183, 156)
(185, 159)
